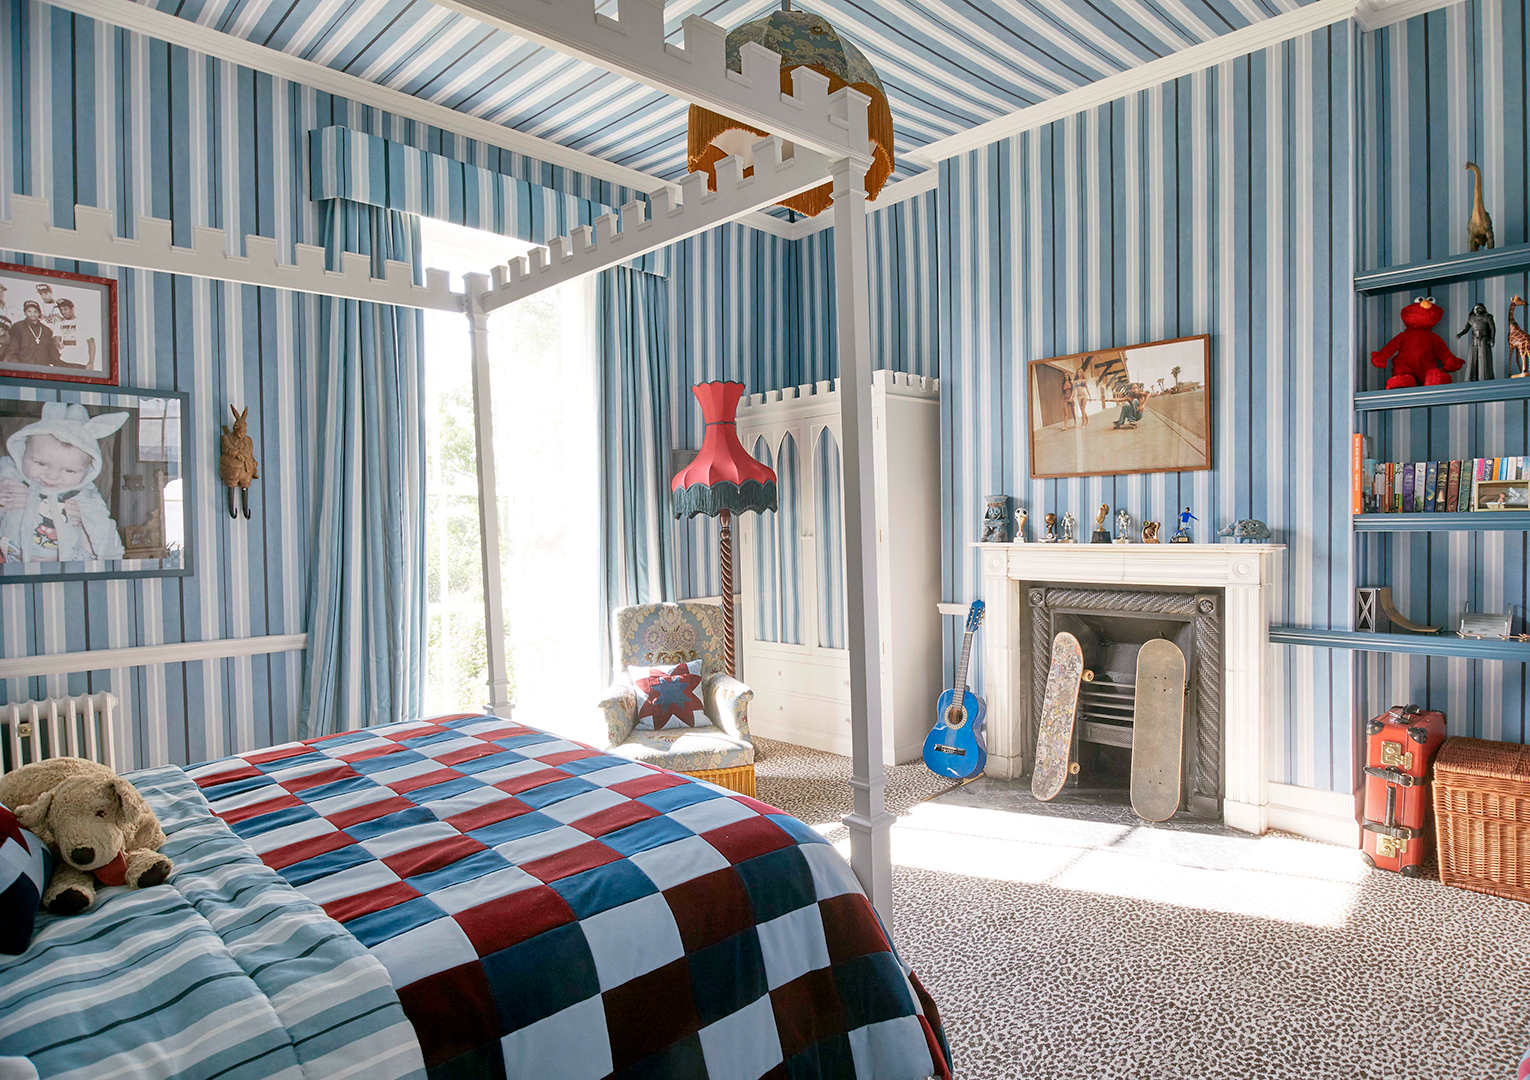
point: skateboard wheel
(1073, 769)
(1088, 676)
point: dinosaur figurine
(237, 467)
(1479, 229)
(1519, 341)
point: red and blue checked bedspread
(547, 910)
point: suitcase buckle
(1392, 754)
(1390, 847)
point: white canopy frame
(829, 139)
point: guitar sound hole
(955, 717)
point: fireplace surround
(1246, 576)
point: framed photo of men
(57, 325)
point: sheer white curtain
(547, 450)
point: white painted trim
(23, 667)
(1374, 14)
(612, 239)
(1261, 35)
(889, 196)
(632, 45)
(1328, 816)
(204, 39)
(959, 610)
(94, 239)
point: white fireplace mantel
(1247, 574)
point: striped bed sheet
(227, 972)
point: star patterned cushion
(24, 867)
(669, 695)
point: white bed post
(488, 498)
(869, 822)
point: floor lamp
(723, 480)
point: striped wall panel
(1437, 91)
(901, 258)
(829, 512)
(1218, 203)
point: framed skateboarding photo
(1141, 409)
(58, 326)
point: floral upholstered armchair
(646, 635)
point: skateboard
(1158, 731)
(1054, 735)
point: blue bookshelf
(1422, 397)
(1443, 644)
(1470, 521)
(1478, 264)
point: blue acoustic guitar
(955, 746)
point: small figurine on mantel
(1101, 534)
(1182, 534)
(1068, 525)
(1479, 227)
(1123, 527)
(1150, 531)
(1484, 332)
(1051, 535)
(1020, 516)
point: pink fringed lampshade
(723, 476)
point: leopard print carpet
(1065, 944)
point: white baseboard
(1328, 816)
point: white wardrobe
(792, 644)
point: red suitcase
(1400, 746)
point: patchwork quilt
(546, 909)
(226, 971)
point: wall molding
(24, 667)
(1327, 816)
(1369, 14)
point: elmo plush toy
(1418, 354)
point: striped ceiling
(947, 64)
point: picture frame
(95, 482)
(1145, 406)
(57, 326)
(1493, 495)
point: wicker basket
(1482, 812)
(740, 779)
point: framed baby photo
(58, 326)
(94, 483)
(1139, 409)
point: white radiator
(79, 726)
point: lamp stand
(726, 536)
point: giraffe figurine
(1519, 341)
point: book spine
(1356, 481)
(1421, 489)
(1379, 487)
(1407, 488)
(1453, 488)
(1440, 483)
(1431, 478)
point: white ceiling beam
(94, 239)
(1369, 14)
(633, 45)
(204, 39)
(611, 241)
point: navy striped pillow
(25, 863)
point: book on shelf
(1426, 491)
(1407, 488)
(1356, 477)
(1441, 472)
(1422, 492)
(1453, 488)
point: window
(542, 380)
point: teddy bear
(97, 823)
(1418, 354)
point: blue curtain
(365, 662)
(637, 546)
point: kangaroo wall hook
(237, 466)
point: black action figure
(1484, 331)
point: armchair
(648, 634)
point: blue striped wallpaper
(901, 258)
(1217, 203)
(103, 116)
(1439, 90)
